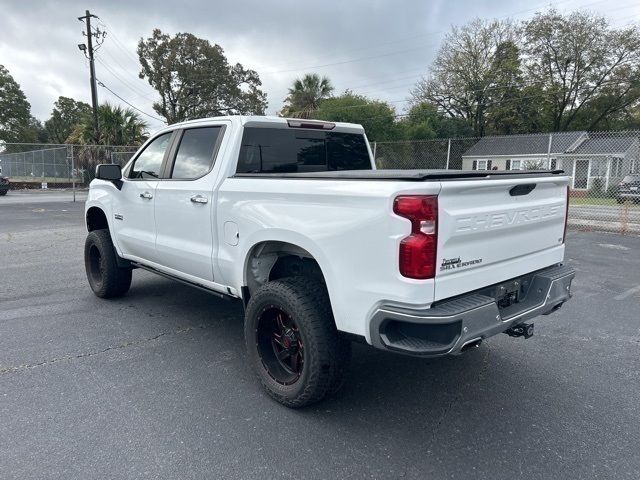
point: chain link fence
(51, 166)
(604, 166)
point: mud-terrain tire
(305, 360)
(106, 278)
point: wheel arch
(268, 260)
(96, 219)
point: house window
(616, 167)
(482, 165)
(598, 167)
(516, 165)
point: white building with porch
(607, 156)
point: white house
(585, 156)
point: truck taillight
(418, 250)
(566, 216)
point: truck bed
(405, 175)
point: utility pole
(92, 69)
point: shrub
(597, 188)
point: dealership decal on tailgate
(452, 263)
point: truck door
(184, 203)
(133, 211)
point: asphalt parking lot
(155, 385)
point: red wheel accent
(280, 345)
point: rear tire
(292, 341)
(106, 278)
(3, 193)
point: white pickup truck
(292, 218)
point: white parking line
(613, 246)
(628, 293)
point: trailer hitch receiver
(522, 330)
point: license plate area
(508, 293)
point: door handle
(199, 199)
(146, 195)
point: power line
(119, 43)
(488, 105)
(132, 106)
(425, 34)
(125, 70)
(121, 46)
(308, 67)
(124, 82)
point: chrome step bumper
(449, 325)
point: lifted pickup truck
(291, 217)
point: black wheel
(3, 192)
(106, 279)
(292, 341)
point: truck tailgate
(493, 230)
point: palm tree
(118, 126)
(305, 95)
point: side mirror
(111, 173)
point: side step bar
(183, 281)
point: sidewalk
(26, 196)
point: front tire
(292, 341)
(106, 278)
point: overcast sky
(376, 48)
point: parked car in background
(629, 189)
(4, 185)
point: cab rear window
(284, 150)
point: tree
(583, 65)
(513, 107)
(377, 117)
(66, 114)
(118, 126)
(35, 132)
(425, 121)
(305, 95)
(16, 122)
(462, 75)
(195, 80)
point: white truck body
(224, 231)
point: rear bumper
(450, 325)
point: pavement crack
(458, 395)
(120, 346)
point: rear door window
(196, 153)
(273, 150)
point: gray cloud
(378, 48)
